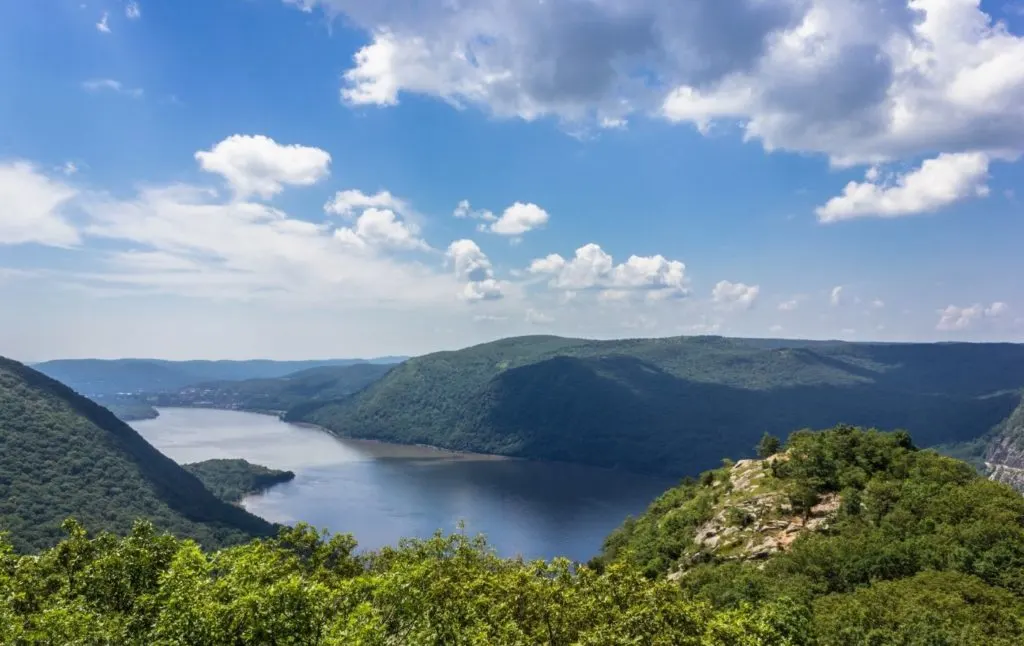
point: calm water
(382, 492)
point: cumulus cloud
(954, 318)
(103, 26)
(735, 295)
(111, 85)
(836, 297)
(864, 81)
(519, 219)
(347, 203)
(31, 207)
(939, 182)
(132, 10)
(258, 165)
(472, 266)
(592, 268)
(465, 210)
(382, 229)
(790, 305)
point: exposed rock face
(1005, 456)
(754, 518)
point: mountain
(279, 394)
(63, 455)
(882, 542)
(94, 377)
(674, 405)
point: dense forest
(674, 405)
(232, 480)
(279, 394)
(911, 548)
(63, 455)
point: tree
(768, 446)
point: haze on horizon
(331, 178)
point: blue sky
(283, 178)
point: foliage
(922, 549)
(62, 455)
(127, 409)
(232, 480)
(768, 446)
(312, 386)
(673, 405)
(305, 588)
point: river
(382, 492)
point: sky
(340, 178)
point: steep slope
(279, 394)
(885, 543)
(674, 405)
(1004, 457)
(62, 455)
(108, 377)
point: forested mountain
(882, 542)
(233, 480)
(107, 377)
(278, 394)
(675, 405)
(62, 455)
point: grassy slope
(674, 405)
(63, 455)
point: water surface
(382, 492)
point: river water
(382, 492)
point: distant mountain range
(61, 455)
(105, 377)
(675, 405)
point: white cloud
(69, 168)
(464, 210)
(380, 228)
(519, 219)
(954, 318)
(592, 268)
(132, 10)
(939, 182)
(735, 295)
(110, 85)
(836, 296)
(538, 318)
(258, 165)
(861, 82)
(347, 203)
(790, 305)
(103, 25)
(473, 266)
(877, 304)
(996, 309)
(31, 207)
(775, 329)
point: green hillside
(674, 405)
(884, 543)
(62, 455)
(112, 376)
(318, 384)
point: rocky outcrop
(754, 518)
(1004, 458)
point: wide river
(382, 492)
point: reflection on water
(381, 492)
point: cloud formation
(861, 81)
(735, 296)
(111, 85)
(258, 165)
(953, 318)
(939, 182)
(592, 268)
(31, 207)
(472, 266)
